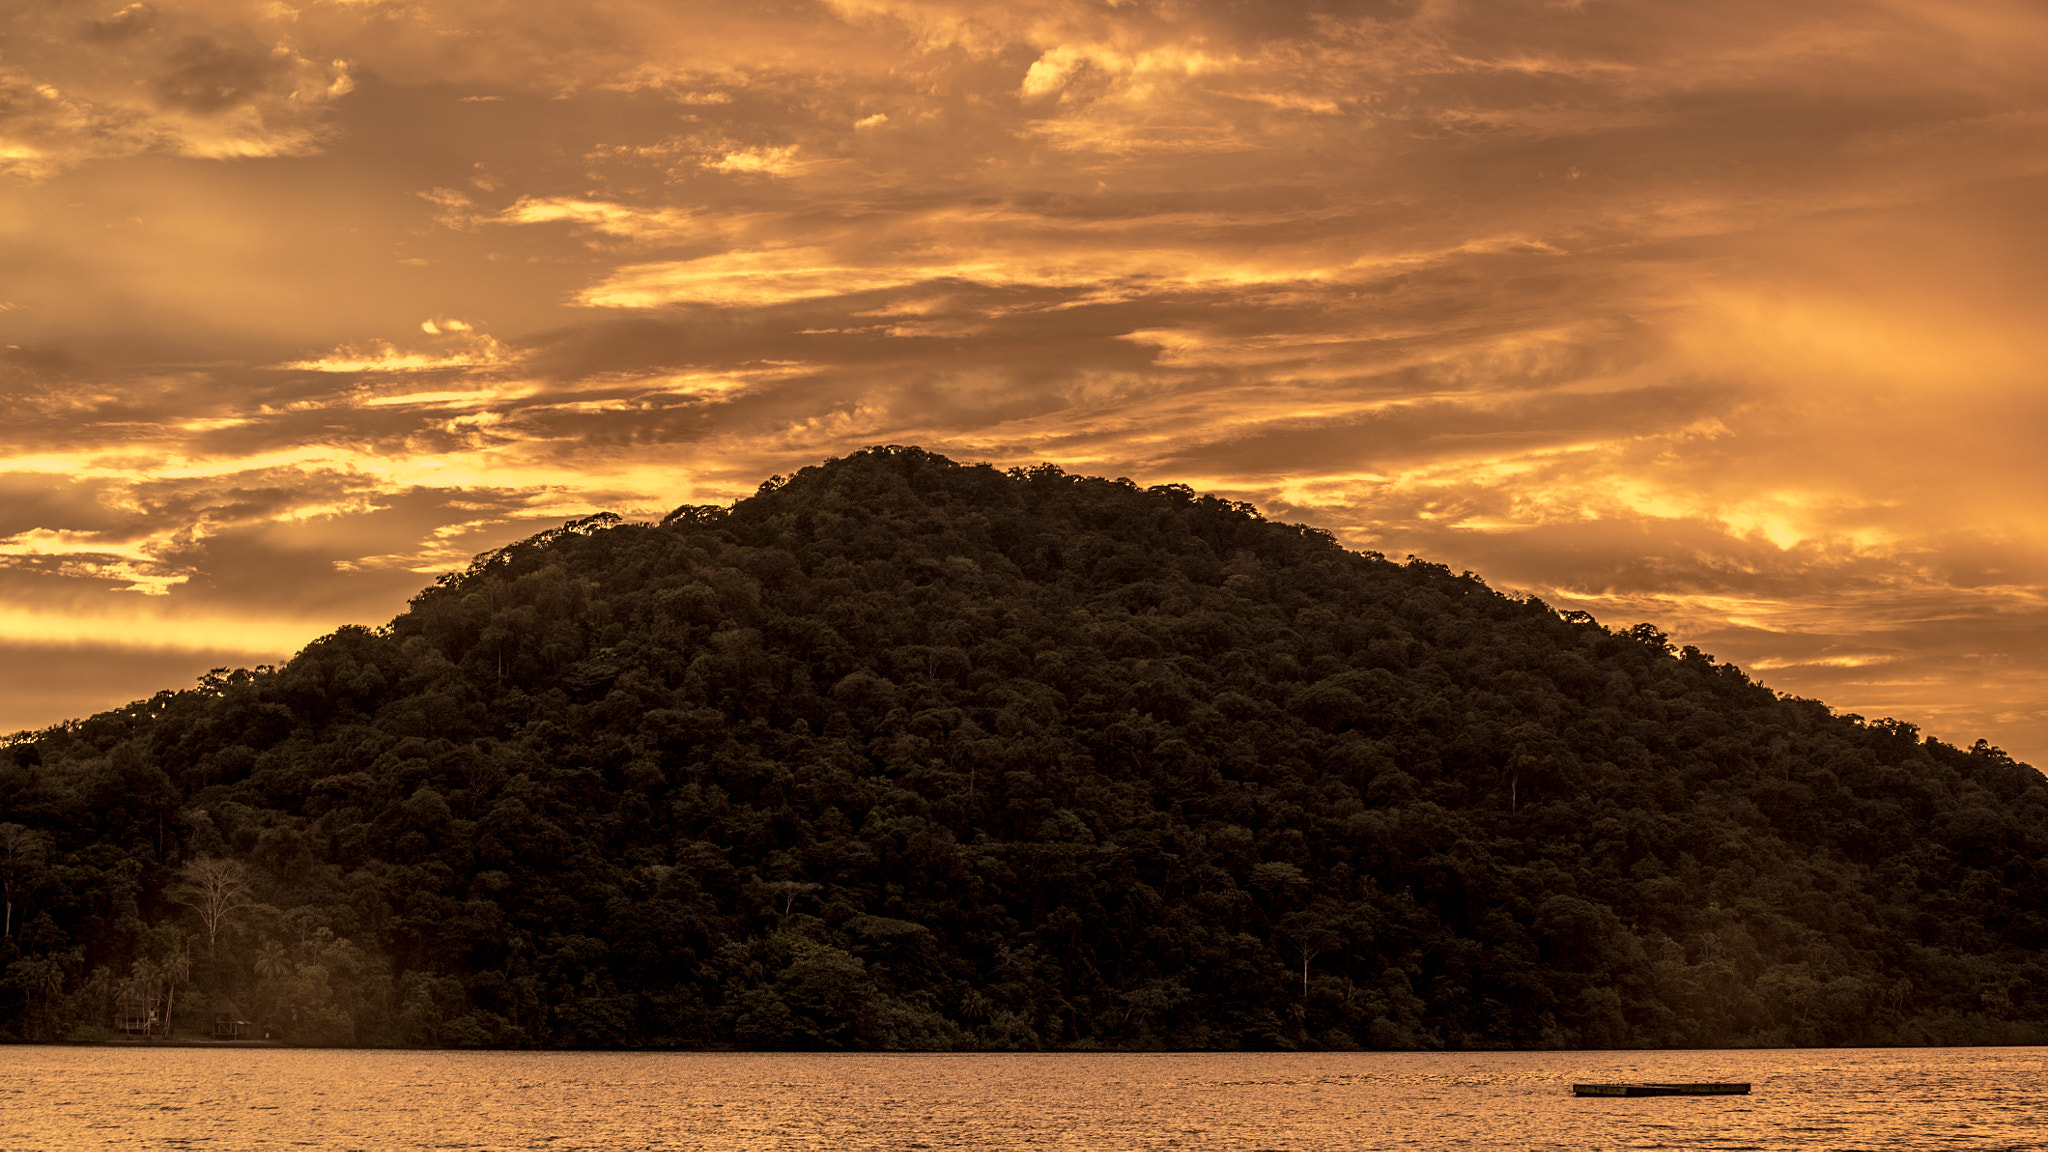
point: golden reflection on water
(64, 1098)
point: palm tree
(142, 982)
(274, 967)
(41, 979)
(175, 969)
(273, 962)
(167, 971)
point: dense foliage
(901, 753)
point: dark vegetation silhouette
(905, 754)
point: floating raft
(1660, 1089)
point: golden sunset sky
(1726, 316)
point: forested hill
(904, 754)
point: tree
(216, 888)
(21, 850)
(272, 963)
(789, 890)
(173, 968)
(41, 979)
(157, 974)
(1310, 937)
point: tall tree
(21, 852)
(215, 888)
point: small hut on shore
(229, 1023)
(134, 1013)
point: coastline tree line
(900, 753)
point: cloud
(759, 161)
(129, 22)
(460, 348)
(1720, 316)
(132, 565)
(658, 225)
(216, 81)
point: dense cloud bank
(1723, 316)
(904, 754)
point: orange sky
(1725, 316)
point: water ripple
(64, 1098)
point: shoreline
(179, 1042)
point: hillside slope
(901, 753)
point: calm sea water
(64, 1098)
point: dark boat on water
(1660, 1089)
